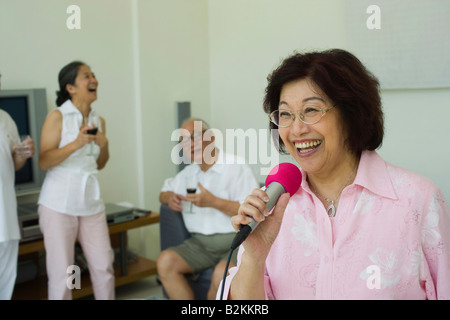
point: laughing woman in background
(70, 206)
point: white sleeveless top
(72, 186)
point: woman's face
(320, 147)
(85, 87)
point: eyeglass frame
(294, 113)
(185, 140)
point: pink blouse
(390, 239)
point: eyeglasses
(308, 115)
(194, 137)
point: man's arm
(207, 199)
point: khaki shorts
(202, 252)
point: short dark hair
(344, 79)
(66, 76)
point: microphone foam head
(286, 174)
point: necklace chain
(331, 210)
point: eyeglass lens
(308, 114)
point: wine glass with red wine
(191, 187)
(92, 121)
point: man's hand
(202, 199)
(172, 199)
(20, 156)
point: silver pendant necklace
(331, 209)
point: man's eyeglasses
(195, 136)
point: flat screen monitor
(28, 108)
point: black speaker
(182, 112)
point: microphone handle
(274, 191)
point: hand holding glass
(23, 149)
(92, 121)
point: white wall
(174, 66)
(148, 54)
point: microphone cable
(237, 241)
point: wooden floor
(37, 289)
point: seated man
(222, 184)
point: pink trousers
(60, 233)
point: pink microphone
(285, 177)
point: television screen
(28, 108)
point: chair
(173, 232)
